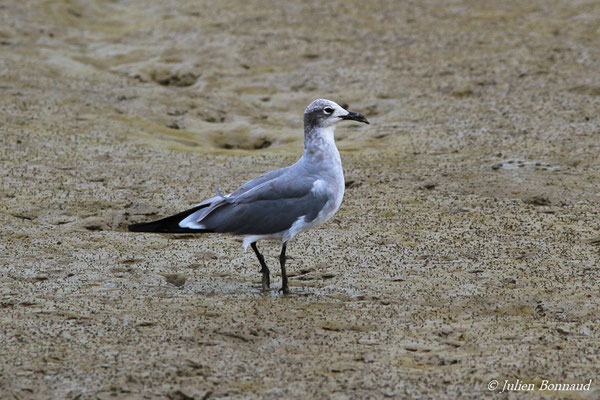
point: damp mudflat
(466, 248)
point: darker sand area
(466, 248)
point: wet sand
(466, 248)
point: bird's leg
(284, 281)
(266, 279)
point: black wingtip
(168, 224)
(143, 227)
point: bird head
(322, 113)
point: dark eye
(328, 110)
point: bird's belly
(301, 225)
(333, 204)
(327, 212)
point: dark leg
(284, 281)
(266, 279)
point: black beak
(355, 117)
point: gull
(280, 204)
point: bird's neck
(322, 155)
(319, 142)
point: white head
(322, 113)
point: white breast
(334, 190)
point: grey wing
(196, 220)
(258, 181)
(269, 208)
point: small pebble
(175, 279)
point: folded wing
(270, 207)
(269, 204)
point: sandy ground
(466, 248)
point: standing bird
(280, 204)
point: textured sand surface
(466, 248)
